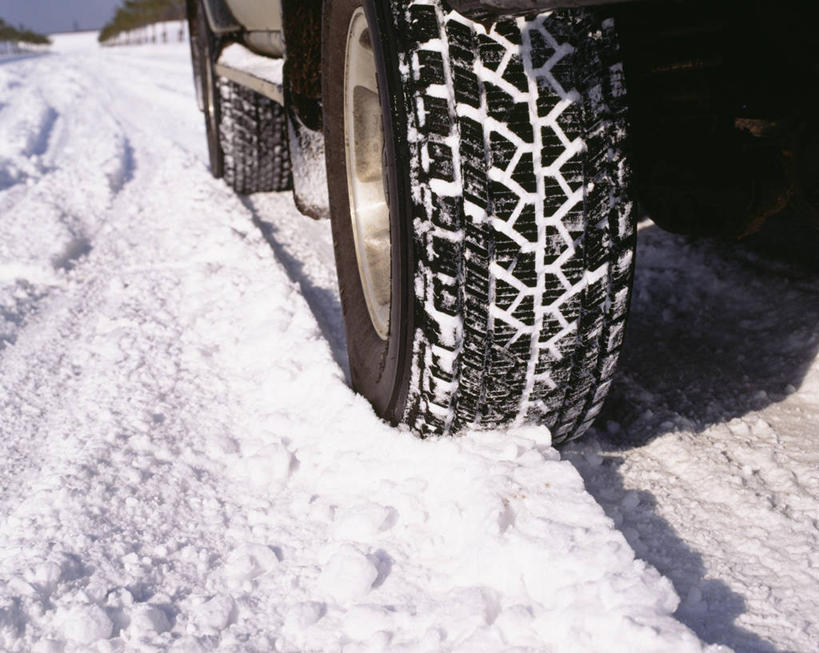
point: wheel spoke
(366, 76)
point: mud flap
(308, 166)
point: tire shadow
(635, 514)
(323, 302)
(717, 330)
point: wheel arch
(477, 9)
(220, 17)
(301, 21)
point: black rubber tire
(254, 138)
(204, 50)
(511, 223)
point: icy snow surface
(183, 466)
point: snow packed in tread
(254, 137)
(530, 175)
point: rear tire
(204, 50)
(511, 228)
(254, 138)
(248, 137)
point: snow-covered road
(183, 466)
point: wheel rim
(366, 178)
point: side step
(261, 74)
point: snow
(309, 171)
(15, 51)
(185, 468)
(237, 56)
(71, 42)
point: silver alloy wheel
(364, 146)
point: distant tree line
(11, 34)
(134, 14)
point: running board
(261, 74)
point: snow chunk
(363, 522)
(49, 646)
(364, 621)
(188, 644)
(86, 624)
(214, 615)
(303, 615)
(247, 562)
(270, 467)
(348, 575)
(46, 576)
(147, 620)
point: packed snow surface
(184, 467)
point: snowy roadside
(19, 56)
(13, 50)
(183, 466)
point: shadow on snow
(716, 331)
(324, 304)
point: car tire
(253, 136)
(511, 233)
(204, 50)
(247, 133)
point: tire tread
(523, 278)
(254, 137)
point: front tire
(511, 230)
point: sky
(49, 16)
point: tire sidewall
(196, 53)
(380, 370)
(206, 43)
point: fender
(488, 8)
(220, 17)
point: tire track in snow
(56, 449)
(24, 138)
(47, 184)
(39, 137)
(124, 172)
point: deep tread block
(505, 291)
(253, 134)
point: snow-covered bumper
(507, 7)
